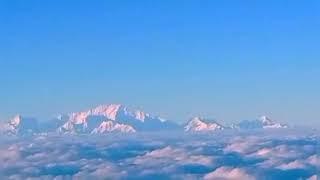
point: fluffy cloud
(297, 164)
(314, 160)
(314, 177)
(223, 155)
(229, 174)
(172, 155)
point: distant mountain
(135, 120)
(102, 119)
(261, 123)
(116, 118)
(198, 124)
(111, 127)
(21, 125)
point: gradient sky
(229, 60)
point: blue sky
(229, 60)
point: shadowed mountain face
(22, 125)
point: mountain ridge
(117, 118)
(198, 124)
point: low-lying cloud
(222, 155)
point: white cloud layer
(223, 155)
(229, 173)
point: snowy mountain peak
(111, 126)
(140, 115)
(268, 123)
(198, 124)
(21, 125)
(197, 119)
(265, 120)
(110, 111)
(86, 121)
(16, 120)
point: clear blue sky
(230, 60)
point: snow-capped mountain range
(198, 124)
(110, 118)
(116, 118)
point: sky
(228, 60)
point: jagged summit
(111, 112)
(87, 121)
(263, 122)
(16, 120)
(21, 125)
(111, 126)
(269, 123)
(198, 124)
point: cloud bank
(280, 154)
